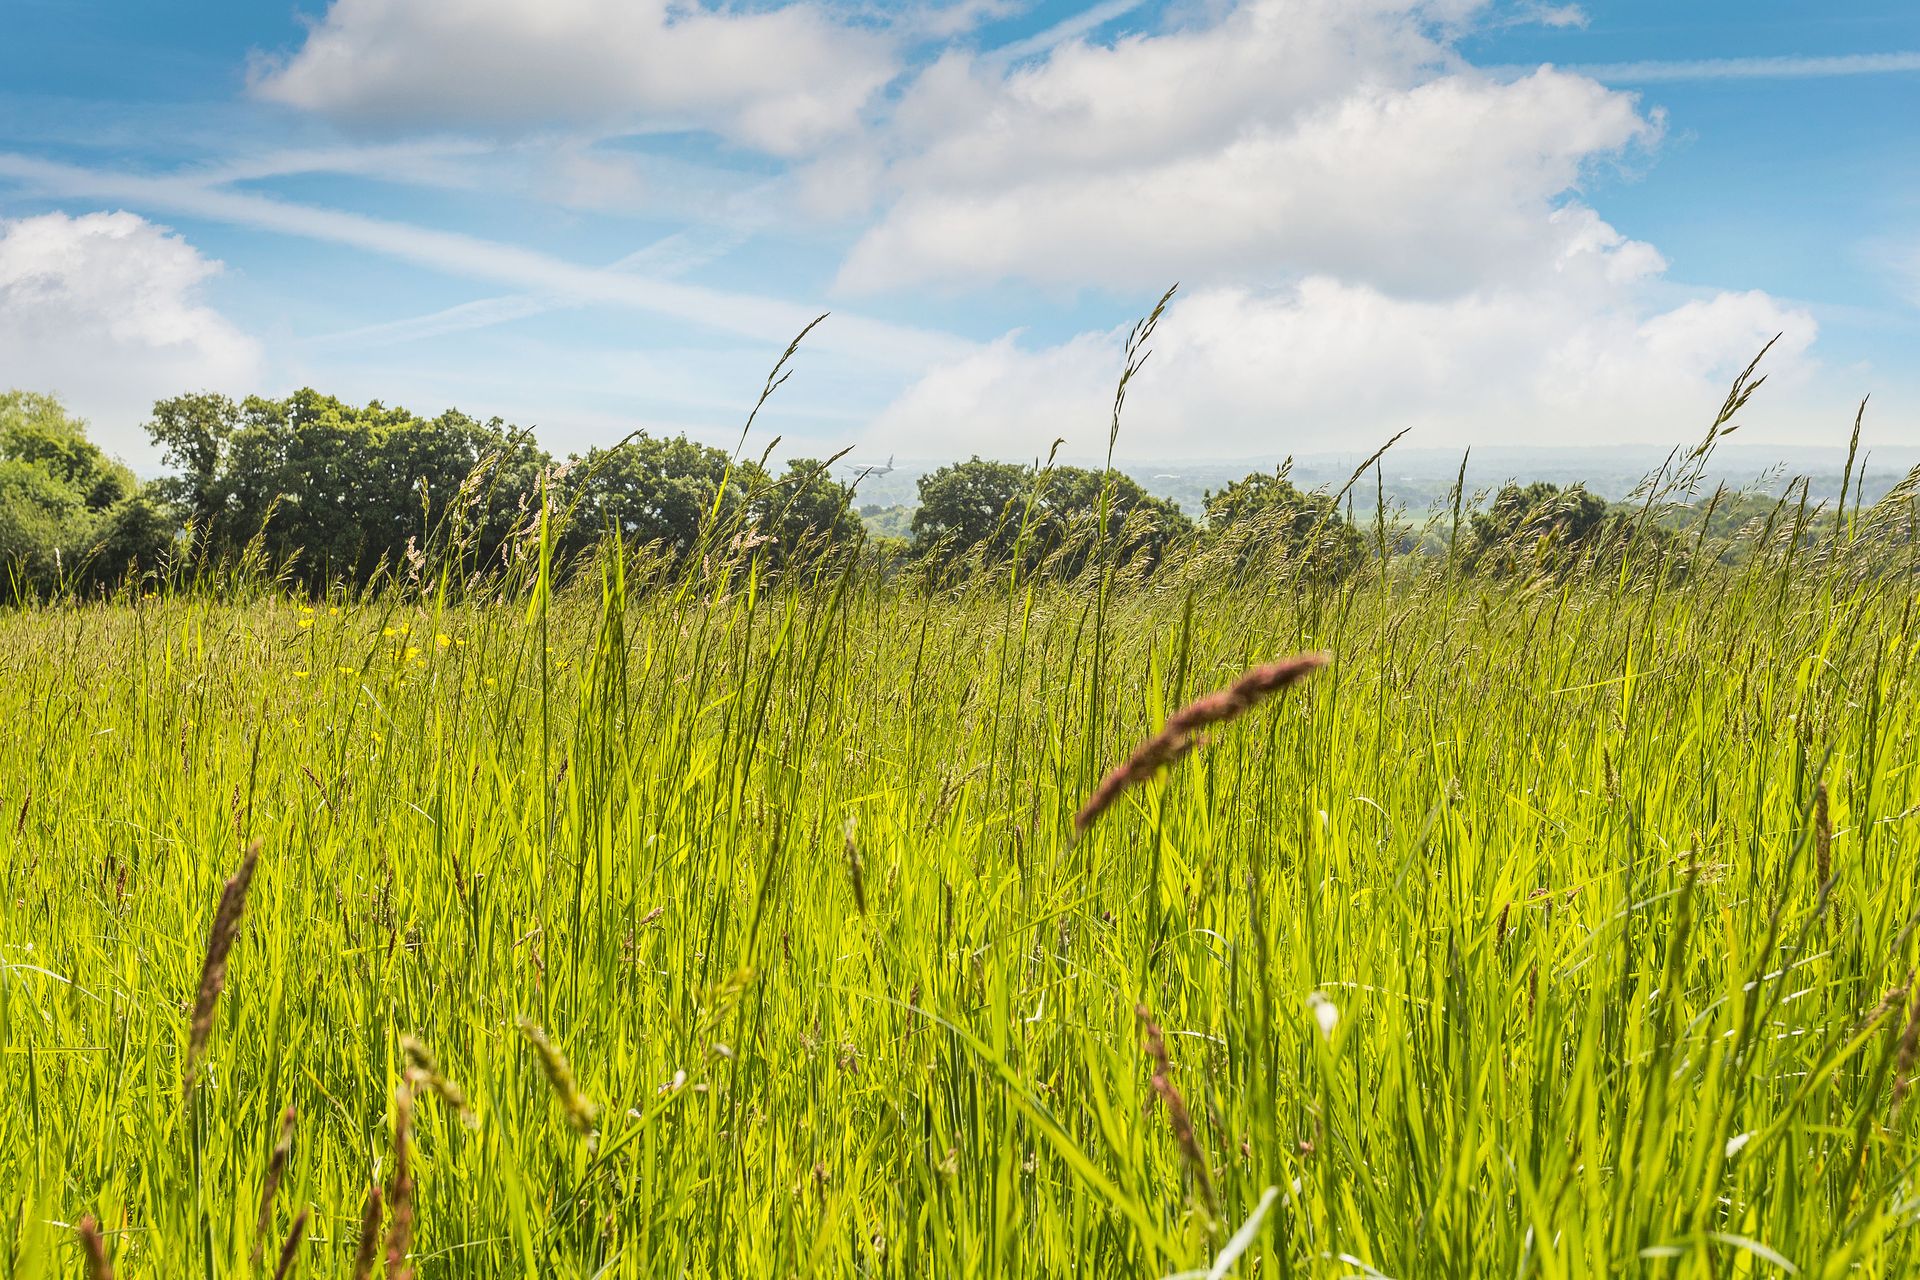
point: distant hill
(1419, 480)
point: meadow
(719, 925)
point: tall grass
(720, 926)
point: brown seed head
(290, 1251)
(1177, 1118)
(91, 1243)
(276, 1166)
(369, 1247)
(400, 1231)
(1178, 735)
(213, 972)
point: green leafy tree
(344, 488)
(192, 432)
(806, 513)
(1539, 525)
(69, 514)
(656, 492)
(985, 508)
(971, 506)
(1266, 513)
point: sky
(1496, 222)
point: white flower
(1325, 1012)
(1736, 1142)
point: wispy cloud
(764, 319)
(1060, 32)
(1780, 68)
(670, 256)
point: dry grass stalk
(369, 1247)
(290, 1251)
(400, 1231)
(423, 1069)
(581, 1113)
(1177, 737)
(1177, 1117)
(95, 1247)
(213, 973)
(276, 1167)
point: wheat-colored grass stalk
(581, 1113)
(1177, 737)
(213, 972)
(423, 1069)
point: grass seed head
(580, 1112)
(213, 972)
(422, 1069)
(276, 1167)
(1177, 1117)
(1179, 735)
(290, 1251)
(400, 1230)
(369, 1246)
(95, 1248)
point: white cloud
(1285, 138)
(1374, 235)
(104, 310)
(1780, 68)
(765, 319)
(781, 80)
(1329, 365)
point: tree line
(331, 492)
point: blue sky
(1497, 222)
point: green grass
(1547, 846)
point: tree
(1539, 525)
(69, 514)
(1053, 514)
(1137, 523)
(972, 505)
(345, 488)
(192, 432)
(656, 492)
(806, 512)
(1265, 513)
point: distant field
(1498, 948)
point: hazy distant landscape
(1417, 480)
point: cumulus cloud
(781, 80)
(1374, 235)
(1329, 365)
(104, 310)
(1283, 138)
